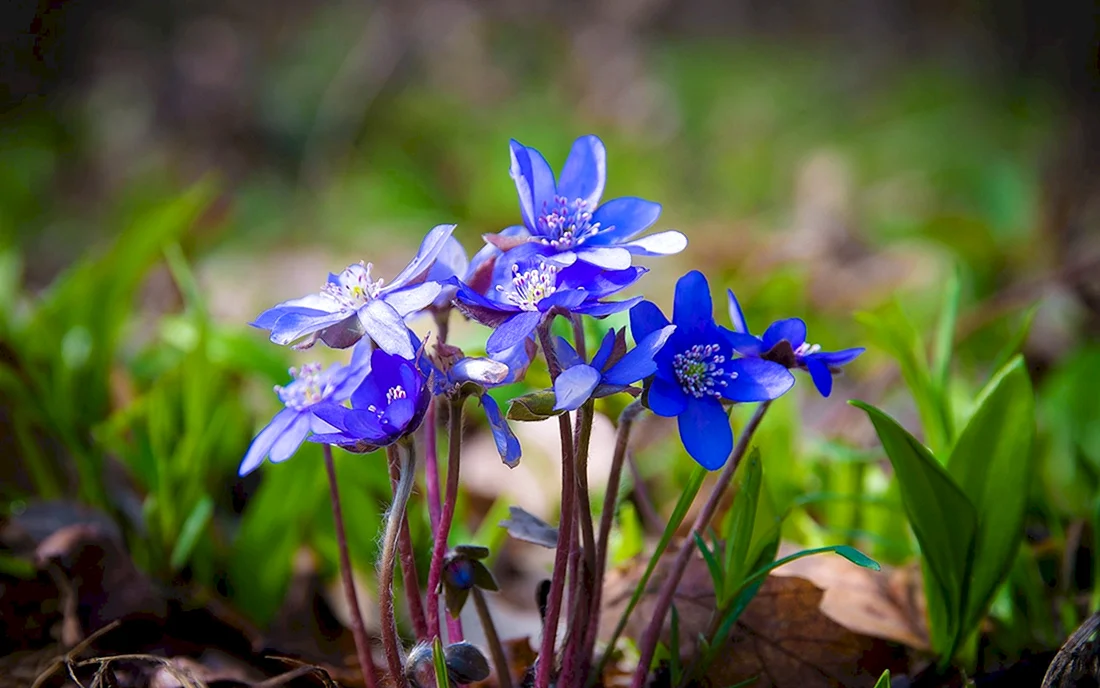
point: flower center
(310, 385)
(353, 288)
(565, 224)
(805, 349)
(531, 286)
(697, 369)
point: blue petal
(413, 299)
(387, 328)
(835, 359)
(608, 258)
(573, 387)
(309, 304)
(737, 316)
(607, 345)
(566, 298)
(754, 379)
(297, 323)
(645, 319)
(418, 268)
(333, 414)
(290, 439)
(265, 439)
(602, 310)
(585, 171)
(793, 330)
(743, 343)
(638, 363)
(484, 371)
(666, 243)
(692, 308)
(507, 444)
(820, 373)
(666, 398)
(534, 182)
(451, 262)
(399, 415)
(705, 431)
(512, 331)
(518, 359)
(622, 218)
(567, 355)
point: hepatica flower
(697, 372)
(612, 369)
(565, 221)
(519, 301)
(355, 303)
(785, 343)
(387, 405)
(311, 386)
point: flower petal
(484, 371)
(574, 386)
(567, 355)
(820, 373)
(666, 398)
(417, 269)
(297, 323)
(692, 310)
(743, 343)
(835, 359)
(622, 218)
(534, 181)
(265, 439)
(645, 319)
(602, 310)
(607, 345)
(609, 258)
(290, 439)
(638, 363)
(413, 299)
(585, 171)
(754, 379)
(659, 244)
(737, 316)
(387, 328)
(507, 444)
(512, 331)
(793, 330)
(566, 298)
(705, 431)
(305, 304)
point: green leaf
(192, 528)
(534, 406)
(742, 520)
(713, 567)
(439, 662)
(944, 521)
(945, 332)
(675, 670)
(884, 680)
(893, 331)
(1018, 339)
(992, 463)
(850, 553)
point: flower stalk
(435, 571)
(405, 548)
(496, 650)
(648, 643)
(358, 629)
(403, 464)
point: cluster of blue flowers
(570, 255)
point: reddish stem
(358, 629)
(435, 571)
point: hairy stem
(439, 549)
(405, 550)
(565, 527)
(431, 475)
(391, 641)
(607, 516)
(358, 629)
(496, 650)
(648, 643)
(585, 570)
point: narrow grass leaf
(193, 527)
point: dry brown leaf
(886, 604)
(783, 637)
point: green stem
(391, 641)
(500, 660)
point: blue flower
(696, 372)
(612, 370)
(352, 304)
(388, 405)
(785, 343)
(311, 386)
(515, 307)
(565, 221)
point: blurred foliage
(144, 409)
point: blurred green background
(167, 170)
